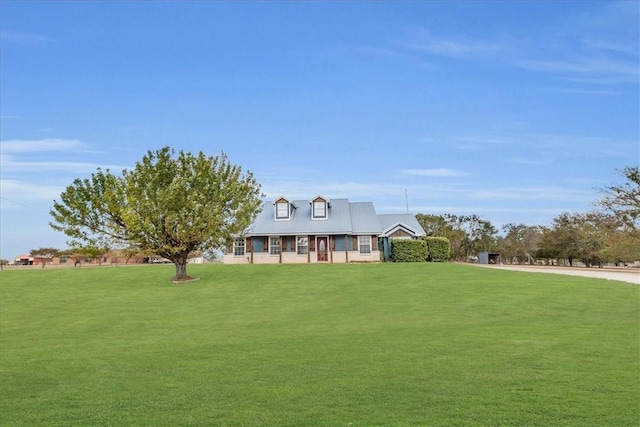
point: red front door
(321, 248)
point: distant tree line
(608, 234)
(93, 254)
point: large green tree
(169, 204)
(520, 242)
(467, 234)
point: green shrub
(438, 249)
(408, 250)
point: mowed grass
(317, 345)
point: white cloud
(12, 149)
(16, 193)
(40, 145)
(8, 163)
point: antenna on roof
(406, 198)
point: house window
(302, 243)
(238, 246)
(282, 210)
(364, 244)
(274, 245)
(320, 209)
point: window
(238, 246)
(319, 209)
(282, 210)
(274, 245)
(302, 243)
(364, 244)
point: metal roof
(364, 218)
(390, 221)
(343, 218)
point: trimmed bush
(438, 249)
(408, 250)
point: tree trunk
(181, 270)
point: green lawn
(317, 345)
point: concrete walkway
(629, 275)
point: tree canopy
(168, 205)
(624, 199)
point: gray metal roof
(389, 221)
(343, 218)
(364, 218)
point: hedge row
(435, 249)
(438, 249)
(408, 250)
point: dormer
(320, 208)
(283, 209)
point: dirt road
(622, 274)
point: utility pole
(406, 198)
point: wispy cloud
(434, 172)
(8, 163)
(612, 69)
(600, 92)
(458, 47)
(23, 37)
(41, 145)
(531, 193)
(11, 189)
(579, 145)
(9, 117)
(600, 46)
(12, 156)
(297, 189)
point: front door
(321, 245)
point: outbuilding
(489, 258)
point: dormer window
(319, 208)
(283, 209)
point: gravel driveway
(624, 275)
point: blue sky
(514, 111)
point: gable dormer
(283, 209)
(320, 208)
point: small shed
(489, 258)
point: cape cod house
(320, 230)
